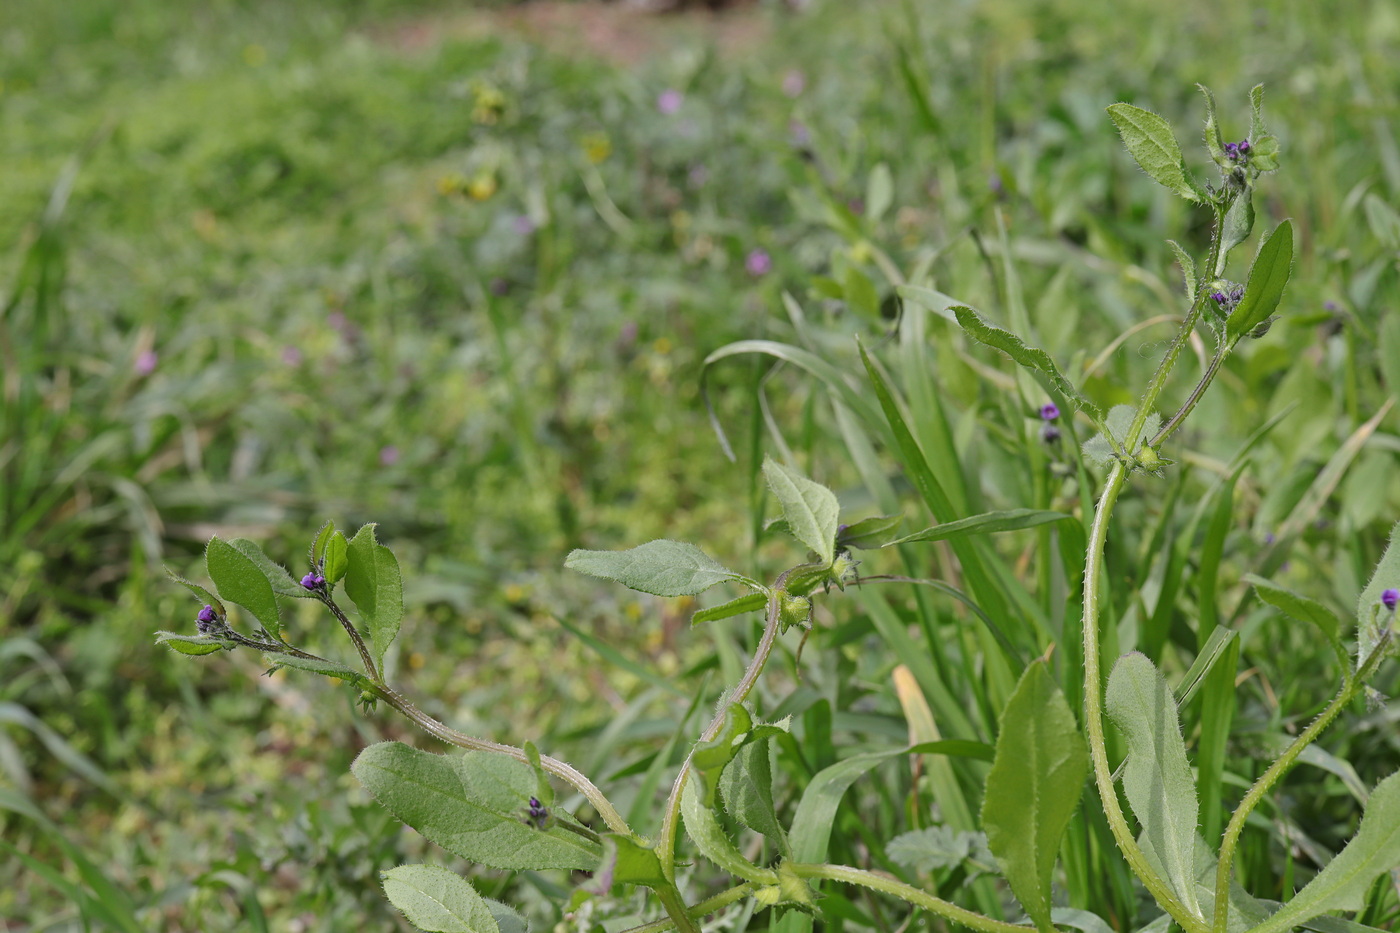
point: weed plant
(760, 800)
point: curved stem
(353, 633)
(722, 899)
(1275, 771)
(554, 766)
(1196, 395)
(666, 840)
(905, 892)
(1093, 713)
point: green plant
(496, 804)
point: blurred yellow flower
(596, 147)
(482, 186)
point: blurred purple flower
(794, 83)
(669, 101)
(798, 132)
(698, 175)
(1390, 599)
(337, 321)
(388, 455)
(146, 362)
(499, 287)
(523, 225)
(758, 263)
(1049, 411)
(291, 355)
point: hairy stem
(666, 840)
(909, 893)
(353, 633)
(1266, 781)
(722, 899)
(1196, 395)
(1093, 713)
(554, 766)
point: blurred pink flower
(291, 355)
(794, 83)
(388, 455)
(758, 263)
(146, 362)
(669, 101)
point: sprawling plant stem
(1354, 685)
(354, 634)
(722, 899)
(913, 895)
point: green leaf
(868, 533)
(194, 645)
(337, 559)
(437, 900)
(1256, 112)
(986, 523)
(1302, 609)
(746, 791)
(1239, 221)
(1034, 787)
(1150, 140)
(473, 805)
(979, 329)
(1213, 141)
(319, 666)
(932, 848)
(709, 758)
(749, 602)
(277, 576)
(810, 508)
(1097, 449)
(1342, 885)
(1383, 220)
(506, 918)
(1371, 617)
(879, 193)
(626, 861)
(1156, 776)
(1267, 277)
(661, 568)
(816, 811)
(242, 582)
(714, 843)
(373, 581)
(1188, 269)
(317, 554)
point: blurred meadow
(456, 269)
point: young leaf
(1213, 141)
(746, 603)
(1150, 140)
(1188, 269)
(868, 533)
(208, 598)
(714, 843)
(626, 861)
(473, 805)
(979, 329)
(1342, 885)
(709, 758)
(194, 645)
(277, 576)
(1267, 278)
(1256, 112)
(986, 523)
(746, 790)
(337, 559)
(811, 510)
(661, 568)
(879, 193)
(1239, 221)
(1156, 777)
(506, 918)
(437, 900)
(241, 581)
(1370, 617)
(318, 546)
(373, 581)
(1302, 609)
(1034, 788)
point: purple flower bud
(309, 581)
(1219, 297)
(1243, 146)
(207, 615)
(1050, 434)
(1390, 598)
(320, 581)
(1049, 411)
(758, 263)
(206, 628)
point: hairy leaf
(811, 510)
(1188, 269)
(1239, 221)
(1371, 617)
(746, 790)
(1302, 609)
(626, 861)
(472, 805)
(1157, 776)
(277, 575)
(194, 645)
(337, 559)
(713, 842)
(979, 329)
(437, 900)
(1150, 140)
(205, 596)
(661, 568)
(373, 581)
(1267, 277)
(868, 533)
(1034, 787)
(746, 603)
(318, 666)
(241, 581)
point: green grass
(277, 202)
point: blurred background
(454, 268)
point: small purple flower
(207, 622)
(1050, 434)
(798, 133)
(669, 101)
(337, 320)
(1049, 411)
(291, 355)
(313, 581)
(388, 455)
(539, 814)
(758, 263)
(1243, 147)
(146, 362)
(794, 83)
(1219, 297)
(207, 614)
(1390, 598)
(698, 175)
(523, 225)
(1330, 306)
